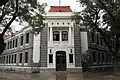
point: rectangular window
(92, 37)
(13, 43)
(97, 39)
(27, 38)
(65, 36)
(21, 41)
(101, 41)
(50, 58)
(16, 41)
(94, 57)
(20, 58)
(12, 59)
(15, 58)
(70, 50)
(70, 58)
(103, 57)
(9, 58)
(10, 44)
(56, 36)
(99, 57)
(26, 57)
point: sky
(72, 3)
(75, 6)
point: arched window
(64, 36)
(56, 36)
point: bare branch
(13, 18)
(105, 8)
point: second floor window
(64, 36)
(27, 38)
(16, 41)
(56, 36)
(21, 40)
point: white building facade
(58, 47)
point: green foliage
(85, 61)
(103, 16)
(29, 11)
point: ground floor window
(12, 58)
(50, 58)
(26, 57)
(15, 58)
(94, 56)
(9, 58)
(70, 58)
(20, 58)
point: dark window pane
(103, 59)
(12, 59)
(70, 58)
(56, 36)
(101, 41)
(26, 57)
(16, 42)
(50, 58)
(21, 40)
(15, 58)
(13, 43)
(94, 56)
(27, 38)
(64, 36)
(99, 57)
(10, 44)
(92, 37)
(9, 58)
(97, 39)
(20, 58)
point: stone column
(60, 35)
(51, 35)
(69, 36)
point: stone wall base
(35, 69)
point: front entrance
(60, 61)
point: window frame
(64, 35)
(56, 34)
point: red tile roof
(60, 9)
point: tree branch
(13, 18)
(105, 8)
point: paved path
(56, 76)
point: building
(57, 47)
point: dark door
(60, 61)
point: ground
(57, 76)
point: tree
(29, 11)
(103, 16)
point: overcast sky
(72, 3)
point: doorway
(60, 61)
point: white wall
(36, 48)
(84, 41)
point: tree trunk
(116, 62)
